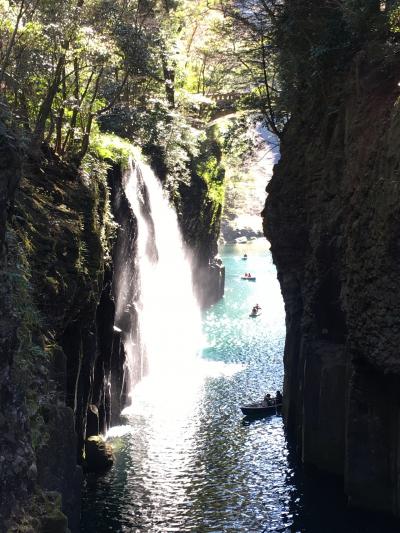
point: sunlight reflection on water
(187, 461)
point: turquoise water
(187, 461)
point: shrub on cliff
(318, 41)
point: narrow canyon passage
(145, 146)
(187, 461)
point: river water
(187, 461)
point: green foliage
(209, 167)
(164, 135)
(394, 20)
(64, 66)
(42, 512)
(213, 174)
(26, 313)
(112, 148)
(237, 141)
(31, 355)
(318, 43)
(132, 68)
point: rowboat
(249, 278)
(260, 409)
(254, 315)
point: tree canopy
(71, 68)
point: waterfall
(155, 306)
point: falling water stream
(168, 332)
(186, 461)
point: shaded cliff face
(10, 171)
(12, 412)
(198, 202)
(200, 219)
(59, 351)
(333, 219)
(63, 363)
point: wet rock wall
(62, 362)
(333, 219)
(62, 365)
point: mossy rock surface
(42, 514)
(56, 522)
(99, 455)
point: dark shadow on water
(318, 505)
(237, 475)
(248, 420)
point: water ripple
(186, 461)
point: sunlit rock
(98, 454)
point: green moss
(209, 167)
(42, 514)
(58, 248)
(31, 357)
(98, 454)
(107, 146)
(65, 227)
(213, 174)
(394, 19)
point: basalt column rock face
(62, 363)
(17, 464)
(124, 280)
(198, 200)
(333, 219)
(199, 213)
(200, 222)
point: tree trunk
(11, 43)
(60, 117)
(45, 108)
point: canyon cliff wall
(59, 351)
(333, 219)
(62, 365)
(199, 210)
(198, 199)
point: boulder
(56, 522)
(98, 455)
(92, 421)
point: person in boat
(268, 399)
(278, 397)
(245, 256)
(254, 311)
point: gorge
(125, 336)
